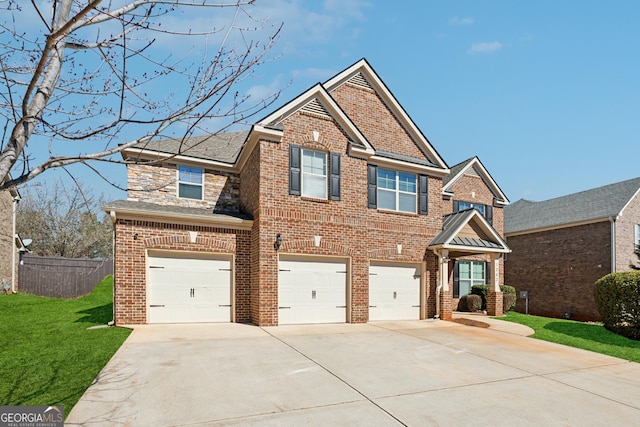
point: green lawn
(48, 356)
(588, 336)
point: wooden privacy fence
(61, 277)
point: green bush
(472, 302)
(508, 302)
(618, 300)
(483, 290)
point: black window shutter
(456, 279)
(334, 182)
(294, 169)
(372, 179)
(487, 272)
(456, 206)
(424, 194)
(488, 211)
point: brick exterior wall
(374, 119)
(7, 245)
(158, 183)
(625, 235)
(559, 268)
(348, 228)
(471, 188)
(130, 260)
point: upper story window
(314, 174)
(485, 210)
(190, 182)
(466, 205)
(397, 191)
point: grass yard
(48, 356)
(588, 336)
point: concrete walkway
(417, 373)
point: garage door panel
(394, 291)
(311, 291)
(185, 288)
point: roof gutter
(612, 220)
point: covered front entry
(468, 233)
(312, 290)
(394, 291)
(187, 287)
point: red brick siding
(347, 227)
(374, 119)
(559, 268)
(472, 189)
(130, 276)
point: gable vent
(360, 80)
(315, 107)
(472, 172)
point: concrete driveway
(417, 373)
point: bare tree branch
(92, 74)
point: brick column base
(446, 308)
(494, 304)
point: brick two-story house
(333, 208)
(562, 246)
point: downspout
(440, 282)
(16, 200)
(612, 220)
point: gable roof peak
(462, 168)
(362, 74)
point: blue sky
(545, 93)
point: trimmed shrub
(473, 302)
(618, 300)
(508, 302)
(483, 290)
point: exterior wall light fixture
(278, 242)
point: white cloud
(485, 47)
(461, 21)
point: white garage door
(312, 290)
(188, 288)
(394, 291)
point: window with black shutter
(295, 165)
(334, 182)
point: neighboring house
(8, 251)
(563, 245)
(333, 208)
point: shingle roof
(224, 147)
(455, 170)
(593, 204)
(153, 208)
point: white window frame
(189, 183)
(471, 281)
(636, 240)
(304, 174)
(479, 207)
(397, 190)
